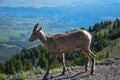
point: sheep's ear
(40, 29)
(35, 27)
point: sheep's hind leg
(87, 63)
(93, 61)
(92, 56)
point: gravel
(105, 70)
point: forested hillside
(106, 38)
(106, 43)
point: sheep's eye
(34, 33)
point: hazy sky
(50, 3)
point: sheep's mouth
(30, 40)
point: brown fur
(62, 43)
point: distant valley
(16, 23)
(74, 15)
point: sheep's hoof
(45, 78)
(92, 73)
(86, 70)
(63, 73)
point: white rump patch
(87, 34)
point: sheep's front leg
(63, 63)
(53, 56)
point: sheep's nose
(30, 40)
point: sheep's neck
(43, 39)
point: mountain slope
(113, 49)
(105, 43)
(107, 36)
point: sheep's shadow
(70, 77)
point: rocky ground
(105, 70)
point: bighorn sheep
(62, 43)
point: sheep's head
(35, 34)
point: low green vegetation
(21, 76)
(38, 70)
(3, 76)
